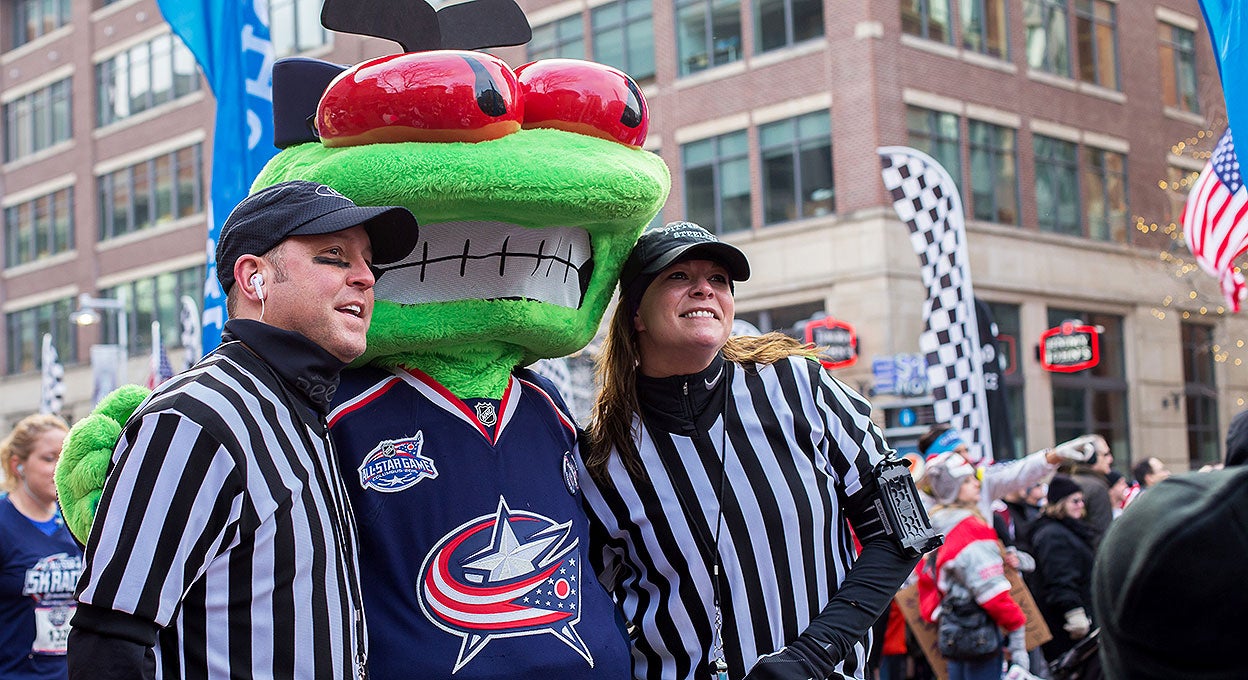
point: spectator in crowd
(39, 560)
(1062, 583)
(1167, 584)
(1149, 472)
(1001, 478)
(1091, 476)
(968, 565)
(1117, 491)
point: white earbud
(20, 468)
(257, 281)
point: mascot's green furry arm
(83, 466)
(522, 235)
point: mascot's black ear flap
(413, 24)
(298, 83)
(483, 23)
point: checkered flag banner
(52, 390)
(192, 341)
(927, 200)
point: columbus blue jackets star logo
(506, 574)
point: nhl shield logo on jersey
(487, 415)
(504, 575)
(396, 464)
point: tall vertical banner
(52, 387)
(994, 389)
(1227, 21)
(230, 40)
(927, 201)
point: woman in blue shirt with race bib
(39, 560)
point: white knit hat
(945, 473)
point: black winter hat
(1237, 440)
(301, 208)
(1167, 584)
(1061, 487)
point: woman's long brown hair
(611, 418)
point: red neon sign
(1069, 348)
(839, 339)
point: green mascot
(530, 188)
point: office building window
(24, 331)
(623, 36)
(1200, 393)
(1009, 340)
(797, 168)
(152, 192)
(1178, 186)
(38, 228)
(158, 298)
(927, 19)
(780, 23)
(143, 77)
(994, 175)
(1057, 185)
(1047, 40)
(1096, 42)
(1177, 48)
(560, 38)
(38, 120)
(936, 133)
(35, 18)
(717, 182)
(1094, 400)
(708, 33)
(1105, 194)
(985, 27)
(295, 26)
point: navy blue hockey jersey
(473, 539)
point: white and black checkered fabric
(927, 200)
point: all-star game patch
(570, 477)
(395, 465)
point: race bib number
(52, 629)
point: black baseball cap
(659, 249)
(302, 208)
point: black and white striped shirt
(225, 524)
(792, 465)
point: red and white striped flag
(1213, 220)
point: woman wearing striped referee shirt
(720, 476)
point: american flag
(1213, 220)
(161, 369)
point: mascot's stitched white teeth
(491, 261)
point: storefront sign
(838, 338)
(1070, 347)
(901, 374)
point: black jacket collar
(684, 404)
(310, 371)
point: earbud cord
(262, 309)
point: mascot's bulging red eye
(584, 97)
(439, 96)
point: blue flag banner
(1226, 21)
(231, 43)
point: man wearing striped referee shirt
(223, 545)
